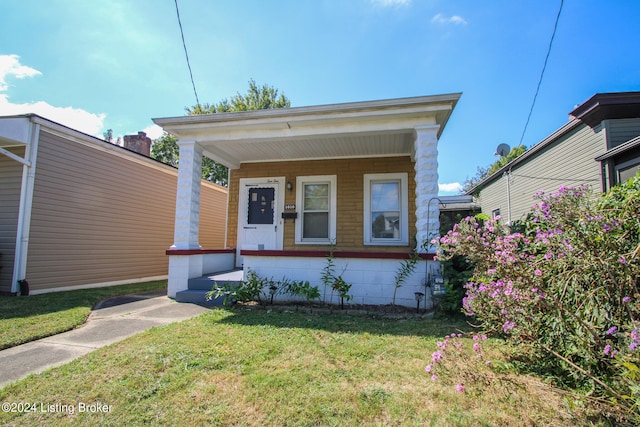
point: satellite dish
(502, 150)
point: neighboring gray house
(599, 147)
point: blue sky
(100, 64)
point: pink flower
(538, 272)
(460, 388)
(427, 368)
(434, 377)
(622, 260)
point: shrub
(564, 287)
(254, 288)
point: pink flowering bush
(563, 285)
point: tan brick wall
(350, 198)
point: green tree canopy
(485, 172)
(165, 148)
(257, 98)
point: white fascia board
(14, 131)
(303, 121)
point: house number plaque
(290, 207)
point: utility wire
(186, 54)
(544, 67)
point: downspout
(508, 176)
(24, 212)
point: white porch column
(426, 167)
(187, 223)
(188, 196)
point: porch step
(206, 282)
(198, 296)
(198, 287)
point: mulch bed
(387, 311)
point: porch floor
(227, 276)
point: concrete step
(206, 282)
(198, 296)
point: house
(77, 211)
(598, 147)
(359, 180)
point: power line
(544, 67)
(186, 54)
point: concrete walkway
(111, 320)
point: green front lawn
(24, 319)
(240, 367)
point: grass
(24, 319)
(240, 367)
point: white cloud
(455, 19)
(74, 118)
(153, 131)
(10, 66)
(391, 3)
(453, 187)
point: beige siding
(101, 217)
(350, 196)
(213, 214)
(622, 130)
(567, 161)
(10, 183)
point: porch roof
(358, 129)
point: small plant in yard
(564, 285)
(250, 289)
(407, 267)
(254, 287)
(328, 272)
(336, 283)
(452, 347)
(300, 288)
(342, 288)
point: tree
(264, 97)
(483, 173)
(256, 98)
(165, 149)
(108, 136)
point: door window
(261, 205)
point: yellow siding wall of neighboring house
(101, 215)
(350, 196)
(10, 183)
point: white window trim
(316, 179)
(404, 209)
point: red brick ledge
(199, 251)
(336, 254)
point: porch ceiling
(362, 129)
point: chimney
(139, 143)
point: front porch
(359, 177)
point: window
(316, 202)
(495, 213)
(628, 170)
(386, 219)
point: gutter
(26, 204)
